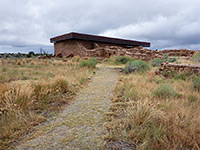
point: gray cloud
(166, 24)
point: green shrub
(196, 57)
(156, 62)
(196, 84)
(136, 66)
(172, 59)
(122, 59)
(165, 56)
(91, 63)
(165, 91)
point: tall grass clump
(18, 62)
(16, 118)
(60, 85)
(165, 91)
(91, 63)
(136, 66)
(142, 123)
(196, 84)
(192, 98)
(196, 57)
(76, 59)
(122, 59)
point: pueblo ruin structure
(85, 45)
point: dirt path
(80, 125)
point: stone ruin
(138, 52)
(168, 68)
(178, 52)
(85, 46)
(101, 51)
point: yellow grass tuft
(24, 61)
(18, 62)
(32, 62)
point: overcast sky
(165, 23)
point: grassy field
(31, 89)
(148, 111)
(151, 112)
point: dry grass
(183, 60)
(30, 88)
(147, 121)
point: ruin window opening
(129, 46)
(92, 45)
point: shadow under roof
(95, 38)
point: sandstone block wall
(167, 68)
(82, 48)
(178, 52)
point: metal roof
(95, 38)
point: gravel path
(80, 125)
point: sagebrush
(136, 66)
(91, 63)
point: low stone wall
(143, 53)
(178, 52)
(135, 52)
(138, 52)
(168, 68)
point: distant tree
(31, 54)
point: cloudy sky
(28, 24)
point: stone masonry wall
(72, 48)
(168, 68)
(81, 48)
(178, 52)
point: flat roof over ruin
(95, 38)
